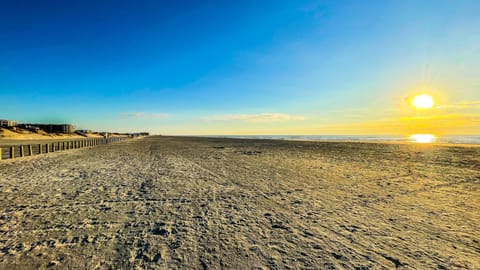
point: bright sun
(423, 101)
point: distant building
(28, 126)
(7, 123)
(54, 128)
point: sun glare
(423, 138)
(423, 101)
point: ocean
(416, 138)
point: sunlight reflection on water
(423, 138)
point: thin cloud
(462, 105)
(262, 117)
(144, 115)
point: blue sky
(244, 67)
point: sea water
(451, 139)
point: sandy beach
(211, 203)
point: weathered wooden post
(12, 152)
(1, 156)
(30, 150)
(22, 151)
(40, 149)
(47, 148)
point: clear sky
(242, 67)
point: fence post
(40, 148)
(12, 152)
(1, 156)
(30, 150)
(47, 148)
(22, 151)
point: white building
(7, 123)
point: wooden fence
(26, 150)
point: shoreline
(219, 203)
(335, 141)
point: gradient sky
(242, 67)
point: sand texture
(199, 203)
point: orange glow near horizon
(423, 101)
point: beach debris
(250, 152)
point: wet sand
(204, 203)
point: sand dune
(199, 203)
(23, 134)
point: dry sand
(199, 203)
